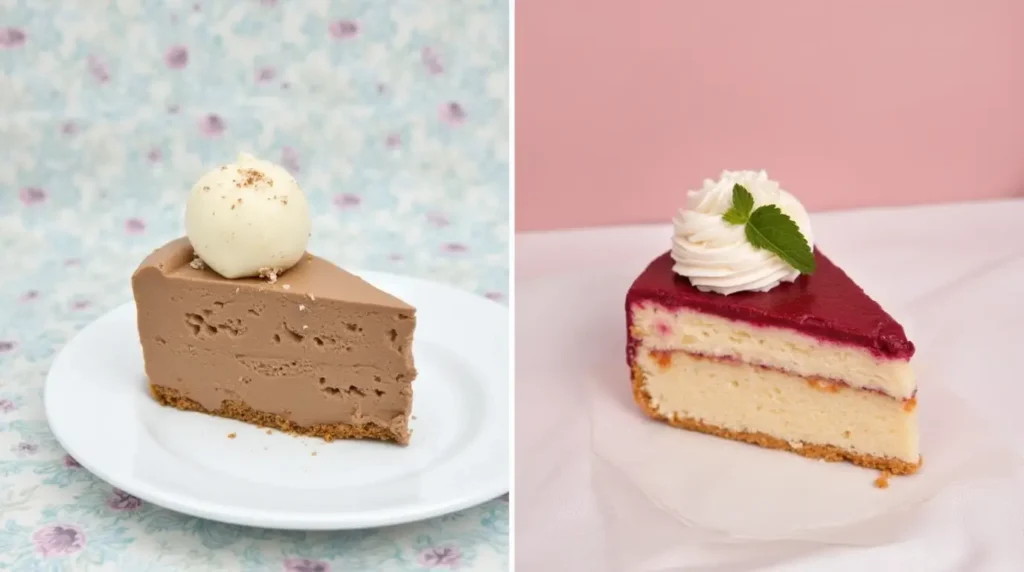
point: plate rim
(494, 488)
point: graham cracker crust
(239, 411)
(829, 453)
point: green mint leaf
(771, 229)
(742, 204)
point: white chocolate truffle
(248, 218)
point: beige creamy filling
(741, 397)
(693, 332)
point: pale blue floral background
(392, 114)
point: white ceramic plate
(99, 409)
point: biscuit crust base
(829, 453)
(239, 411)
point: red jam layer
(664, 360)
(827, 305)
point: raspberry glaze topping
(827, 305)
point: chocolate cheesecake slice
(318, 352)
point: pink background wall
(621, 106)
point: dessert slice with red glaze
(809, 364)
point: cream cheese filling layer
(661, 328)
(741, 397)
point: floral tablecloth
(393, 116)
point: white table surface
(947, 268)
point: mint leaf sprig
(770, 229)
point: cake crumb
(882, 482)
(232, 435)
(197, 263)
(287, 286)
(269, 273)
(269, 432)
(313, 454)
